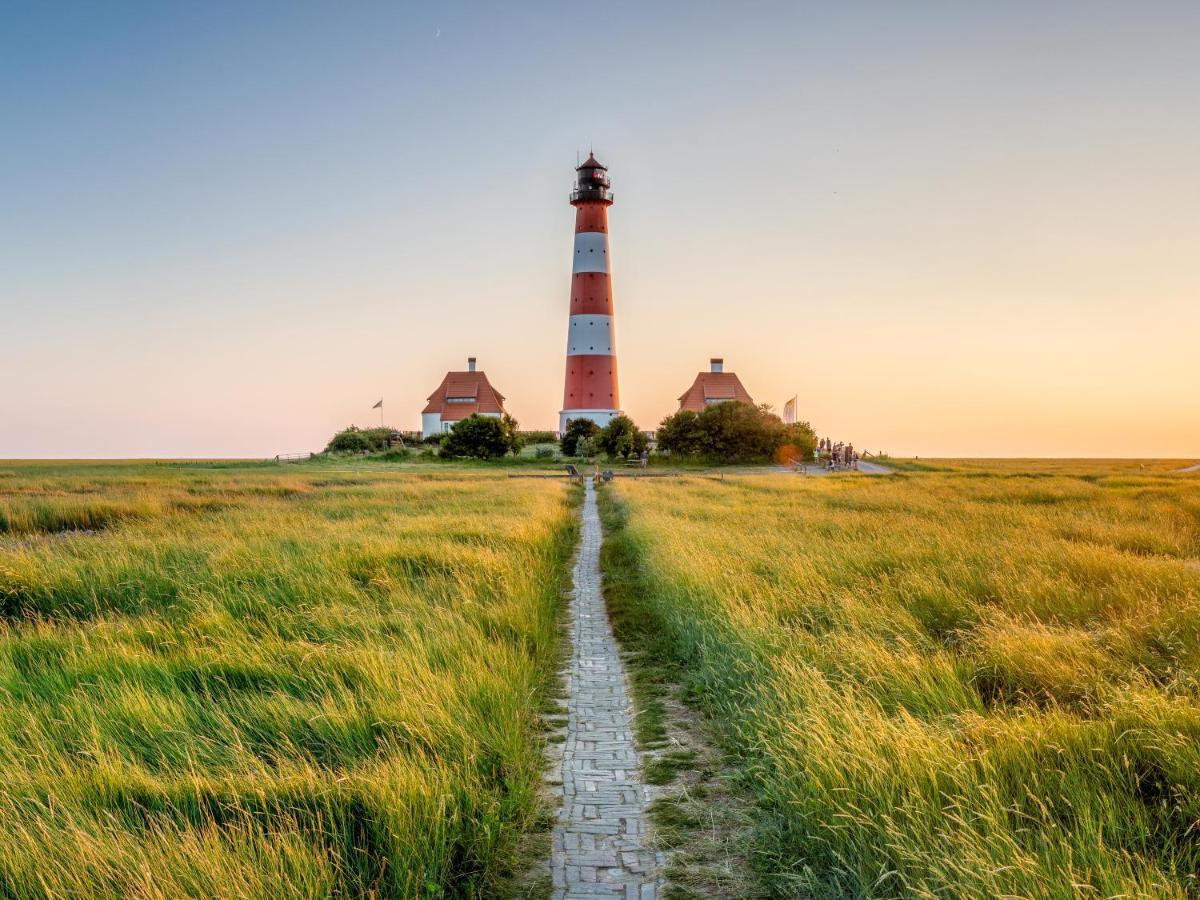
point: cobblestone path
(599, 842)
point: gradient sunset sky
(226, 229)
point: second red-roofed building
(461, 394)
(714, 386)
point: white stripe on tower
(591, 252)
(590, 336)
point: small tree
(585, 447)
(680, 434)
(512, 436)
(620, 438)
(478, 437)
(799, 442)
(577, 429)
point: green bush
(577, 429)
(735, 433)
(538, 437)
(482, 437)
(621, 439)
(349, 441)
(360, 440)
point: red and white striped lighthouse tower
(591, 383)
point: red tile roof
(462, 394)
(713, 387)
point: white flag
(789, 410)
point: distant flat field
(1076, 467)
(974, 678)
(241, 680)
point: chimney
(470, 364)
(716, 364)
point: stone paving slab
(599, 845)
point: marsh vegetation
(967, 679)
(249, 681)
(977, 679)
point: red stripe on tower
(591, 382)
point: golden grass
(975, 681)
(246, 681)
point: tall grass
(967, 682)
(253, 682)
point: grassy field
(265, 681)
(968, 679)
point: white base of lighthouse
(600, 416)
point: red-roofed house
(460, 394)
(713, 386)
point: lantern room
(591, 182)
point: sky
(951, 229)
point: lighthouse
(591, 382)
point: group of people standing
(837, 455)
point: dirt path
(600, 846)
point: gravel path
(867, 468)
(600, 846)
(871, 468)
